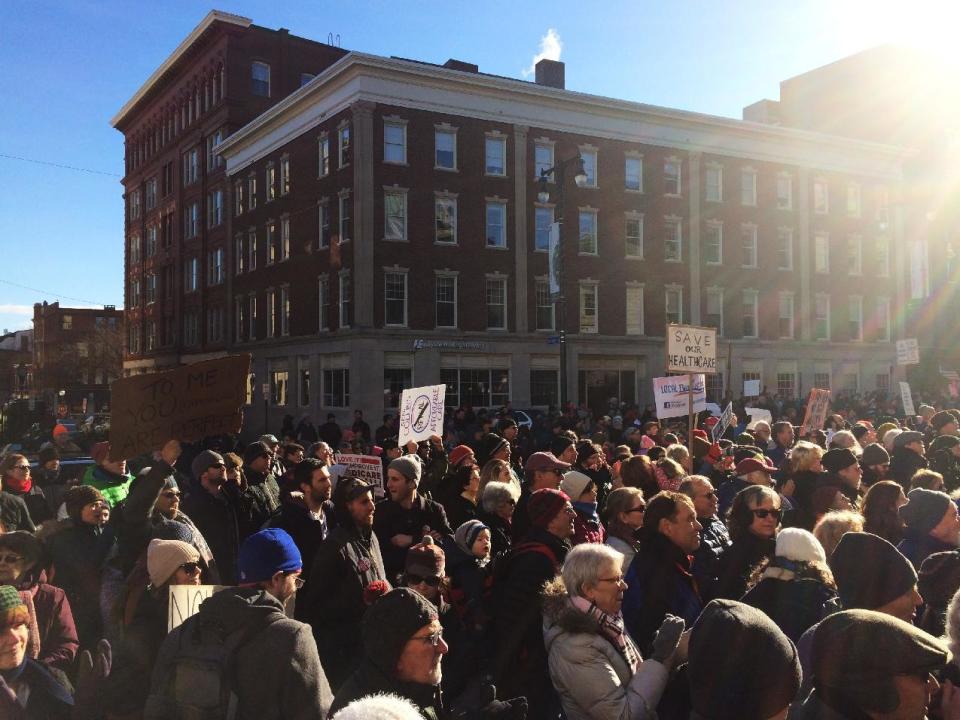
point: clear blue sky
(69, 65)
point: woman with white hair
(594, 664)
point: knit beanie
(943, 442)
(466, 535)
(165, 556)
(256, 450)
(764, 680)
(585, 451)
(884, 429)
(409, 466)
(390, 622)
(459, 453)
(47, 454)
(425, 559)
(575, 484)
(876, 454)
(203, 461)
(924, 509)
(939, 578)
(940, 419)
(266, 553)
(837, 459)
(100, 452)
(12, 608)
(544, 505)
(869, 571)
(26, 545)
(800, 546)
(385, 706)
(560, 443)
(490, 445)
(77, 497)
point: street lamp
(559, 172)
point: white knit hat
(574, 483)
(889, 437)
(800, 546)
(165, 556)
(379, 707)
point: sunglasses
(10, 559)
(763, 512)
(639, 508)
(21, 467)
(171, 494)
(190, 567)
(417, 579)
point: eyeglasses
(417, 579)
(639, 508)
(763, 512)
(10, 559)
(21, 467)
(298, 582)
(433, 639)
(615, 580)
(190, 567)
(171, 494)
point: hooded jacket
(592, 677)
(113, 487)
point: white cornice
(212, 17)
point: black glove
(91, 678)
(478, 702)
(667, 637)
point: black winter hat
(763, 681)
(254, 451)
(585, 451)
(942, 418)
(838, 459)
(490, 445)
(943, 442)
(559, 444)
(869, 571)
(924, 509)
(876, 454)
(390, 622)
(47, 454)
(939, 578)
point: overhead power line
(59, 165)
(52, 294)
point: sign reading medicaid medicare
(908, 352)
(907, 397)
(365, 467)
(671, 395)
(421, 413)
(691, 348)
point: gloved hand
(478, 702)
(666, 639)
(91, 679)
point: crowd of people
(603, 568)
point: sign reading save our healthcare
(908, 352)
(421, 413)
(672, 395)
(691, 348)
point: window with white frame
(588, 307)
(135, 293)
(853, 200)
(215, 324)
(496, 231)
(543, 218)
(135, 247)
(633, 173)
(786, 315)
(343, 137)
(749, 314)
(785, 248)
(284, 175)
(589, 158)
(748, 244)
(344, 299)
(882, 381)
(152, 335)
(545, 305)
(323, 224)
(495, 155)
(821, 197)
(713, 243)
(854, 255)
(191, 328)
(279, 386)
(260, 79)
(445, 149)
(714, 310)
(822, 373)
(821, 253)
(323, 155)
(238, 200)
(446, 300)
(821, 317)
(151, 288)
(272, 249)
(748, 187)
(445, 219)
(672, 240)
(323, 303)
(395, 142)
(634, 308)
(672, 181)
(252, 191)
(252, 316)
(588, 232)
(285, 238)
(673, 304)
(855, 317)
(883, 206)
(151, 249)
(785, 191)
(215, 270)
(633, 236)
(252, 249)
(542, 159)
(881, 256)
(787, 380)
(284, 310)
(151, 193)
(395, 299)
(394, 214)
(346, 217)
(191, 221)
(882, 319)
(713, 184)
(336, 387)
(191, 275)
(191, 166)
(215, 208)
(271, 182)
(496, 295)
(239, 257)
(133, 200)
(239, 318)
(271, 308)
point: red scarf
(18, 486)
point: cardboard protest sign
(671, 395)
(365, 467)
(751, 388)
(187, 403)
(818, 403)
(421, 413)
(185, 602)
(758, 415)
(908, 352)
(907, 397)
(725, 420)
(691, 348)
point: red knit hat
(544, 505)
(459, 453)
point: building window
(821, 197)
(134, 205)
(821, 253)
(394, 215)
(252, 315)
(271, 182)
(323, 155)
(191, 221)
(151, 240)
(395, 142)
(239, 259)
(252, 191)
(672, 240)
(135, 294)
(714, 183)
(882, 381)
(785, 249)
(589, 158)
(215, 267)
(495, 151)
(821, 321)
(238, 198)
(271, 313)
(633, 236)
(323, 303)
(748, 187)
(133, 339)
(784, 192)
(445, 220)
(854, 255)
(445, 149)
(883, 206)
(191, 328)
(786, 315)
(479, 388)
(787, 384)
(284, 238)
(543, 219)
(588, 232)
(215, 208)
(496, 296)
(260, 79)
(151, 335)
(284, 310)
(855, 317)
(545, 388)
(446, 301)
(344, 299)
(882, 319)
(336, 388)
(284, 175)
(542, 160)
(343, 135)
(496, 225)
(634, 307)
(748, 244)
(633, 174)
(279, 385)
(673, 305)
(346, 224)
(151, 288)
(252, 249)
(671, 177)
(395, 299)
(215, 324)
(714, 314)
(191, 275)
(713, 244)
(588, 308)
(214, 160)
(191, 166)
(882, 257)
(323, 225)
(239, 318)
(395, 381)
(821, 376)
(545, 305)
(134, 251)
(271, 243)
(749, 313)
(853, 200)
(303, 365)
(151, 189)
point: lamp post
(559, 172)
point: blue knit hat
(266, 553)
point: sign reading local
(691, 349)
(421, 413)
(672, 395)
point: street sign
(908, 352)
(691, 348)
(553, 340)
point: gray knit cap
(409, 466)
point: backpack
(193, 678)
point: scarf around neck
(612, 628)
(587, 509)
(18, 485)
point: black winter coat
(14, 514)
(738, 563)
(393, 519)
(794, 605)
(307, 531)
(904, 462)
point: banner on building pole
(554, 260)
(671, 395)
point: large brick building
(380, 226)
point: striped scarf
(611, 628)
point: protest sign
(185, 602)
(187, 403)
(907, 399)
(751, 388)
(908, 352)
(758, 415)
(818, 402)
(671, 395)
(365, 467)
(691, 348)
(421, 413)
(725, 420)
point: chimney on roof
(550, 73)
(462, 66)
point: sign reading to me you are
(187, 403)
(691, 349)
